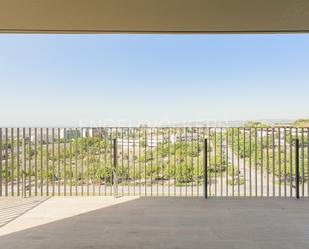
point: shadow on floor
(188, 223)
(12, 208)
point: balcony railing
(154, 161)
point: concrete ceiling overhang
(154, 16)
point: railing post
(297, 167)
(205, 169)
(24, 168)
(115, 173)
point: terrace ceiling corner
(154, 16)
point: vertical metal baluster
(186, 148)
(262, 152)
(93, 158)
(161, 141)
(284, 162)
(59, 164)
(6, 162)
(116, 161)
(175, 161)
(100, 163)
(163, 165)
(255, 160)
(53, 161)
(115, 167)
(110, 157)
(97, 159)
(238, 171)
(41, 169)
(208, 157)
(169, 161)
(24, 164)
(139, 161)
(152, 145)
(122, 161)
(105, 159)
(307, 162)
(250, 162)
(203, 137)
(209, 160)
(145, 163)
(35, 163)
(208, 136)
(279, 160)
(233, 171)
(123, 173)
(123, 166)
(92, 154)
(215, 159)
(291, 162)
(82, 166)
(158, 166)
(103, 150)
(274, 173)
(198, 163)
(133, 160)
(88, 166)
(18, 160)
(267, 162)
(302, 163)
(125, 142)
(76, 161)
(1, 162)
(205, 168)
(111, 161)
(151, 162)
(47, 163)
(162, 157)
(227, 162)
(162, 160)
(244, 162)
(114, 171)
(64, 163)
(180, 162)
(297, 167)
(297, 157)
(192, 163)
(71, 166)
(128, 151)
(221, 182)
(30, 166)
(78, 171)
(12, 162)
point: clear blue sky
(51, 80)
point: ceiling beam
(154, 16)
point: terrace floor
(157, 222)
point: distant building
(191, 136)
(94, 132)
(70, 133)
(154, 141)
(43, 138)
(128, 143)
